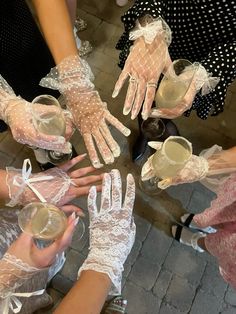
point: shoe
(139, 147)
(117, 305)
(187, 221)
(85, 48)
(122, 3)
(170, 130)
(80, 24)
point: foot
(116, 306)
(122, 3)
(187, 220)
(85, 48)
(187, 236)
(139, 147)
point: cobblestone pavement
(160, 276)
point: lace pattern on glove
(25, 188)
(203, 79)
(151, 30)
(72, 72)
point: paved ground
(161, 276)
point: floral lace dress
(222, 215)
(9, 231)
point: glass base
(150, 187)
(57, 158)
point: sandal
(186, 220)
(117, 305)
(193, 239)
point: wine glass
(51, 123)
(175, 83)
(45, 221)
(172, 156)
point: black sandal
(113, 306)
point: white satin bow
(12, 302)
(204, 80)
(26, 180)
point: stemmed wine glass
(51, 123)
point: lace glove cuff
(149, 28)
(25, 187)
(13, 273)
(107, 263)
(73, 73)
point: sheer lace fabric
(90, 115)
(112, 229)
(52, 185)
(16, 276)
(143, 67)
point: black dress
(203, 31)
(24, 56)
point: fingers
(70, 208)
(129, 100)
(123, 76)
(130, 194)
(88, 140)
(116, 189)
(138, 99)
(89, 180)
(82, 172)
(120, 126)
(103, 148)
(150, 95)
(80, 191)
(106, 193)
(163, 184)
(92, 206)
(115, 148)
(71, 163)
(155, 145)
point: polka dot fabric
(202, 31)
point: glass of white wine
(175, 84)
(167, 162)
(45, 221)
(51, 123)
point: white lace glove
(18, 265)
(56, 185)
(148, 58)
(112, 229)
(212, 167)
(18, 114)
(202, 80)
(73, 78)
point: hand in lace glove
(57, 185)
(18, 114)
(201, 80)
(17, 265)
(148, 58)
(90, 114)
(213, 165)
(112, 229)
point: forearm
(88, 294)
(4, 194)
(223, 162)
(57, 28)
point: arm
(3, 186)
(56, 26)
(88, 294)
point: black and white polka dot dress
(203, 31)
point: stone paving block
(9, 146)
(228, 310)
(180, 294)
(212, 282)
(162, 283)
(144, 273)
(230, 296)
(198, 202)
(73, 262)
(181, 192)
(61, 284)
(102, 62)
(156, 246)
(56, 295)
(205, 303)
(168, 309)
(139, 300)
(5, 160)
(185, 264)
(142, 227)
(134, 252)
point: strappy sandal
(187, 223)
(117, 305)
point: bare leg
(72, 6)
